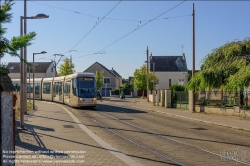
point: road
(155, 139)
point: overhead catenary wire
(136, 29)
(96, 25)
(96, 17)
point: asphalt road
(155, 139)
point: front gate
(179, 99)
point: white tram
(76, 90)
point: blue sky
(78, 25)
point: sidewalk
(55, 137)
(222, 120)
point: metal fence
(222, 98)
(179, 99)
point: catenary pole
(193, 68)
(147, 74)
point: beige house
(169, 70)
(42, 70)
(111, 79)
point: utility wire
(115, 19)
(64, 9)
(96, 25)
(134, 29)
(141, 26)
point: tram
(76, 90)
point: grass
(17, 109)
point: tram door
(67, 91)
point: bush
(127, 89)
(204, 101)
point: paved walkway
(55, 137)
(229, 121)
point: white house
(111, 79)
(42, 70)
(169, 70)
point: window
(169, 83)
(58, 88)
(157, 82)
(46, 88)
(52, 69)
(67, 88)
(181, 81)
(106, 80)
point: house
(169, 70)
(42, 70)
(111, 79)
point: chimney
(183, 56)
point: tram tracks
(158, 135)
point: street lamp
(34, 94)
(23, 71)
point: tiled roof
(41, 67)
(113, 72)
(169, 63)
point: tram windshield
(86, 87)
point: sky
(117, 33)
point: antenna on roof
(182, 46)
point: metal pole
(147, 73)
(193, 70)
(29, 84)
(154, 75)
(21, 80)
(25, 58)
(33, 83)
(71, 64)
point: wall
(7, 143)
(99, 68)
(17, 75)
(163, 78)
(49, 73)
(228, 111)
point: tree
(16, 43)
(140, 79)
(99, 77)
(66, 68)
(227, 67)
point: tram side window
(37, 88)
(46, 88)
(66, 88)
(16, 86)
(59, 88)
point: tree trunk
(142, 94)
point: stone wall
(229, 111)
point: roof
(113, 72)
(190, 71)
(41, 67)
(169, 63)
